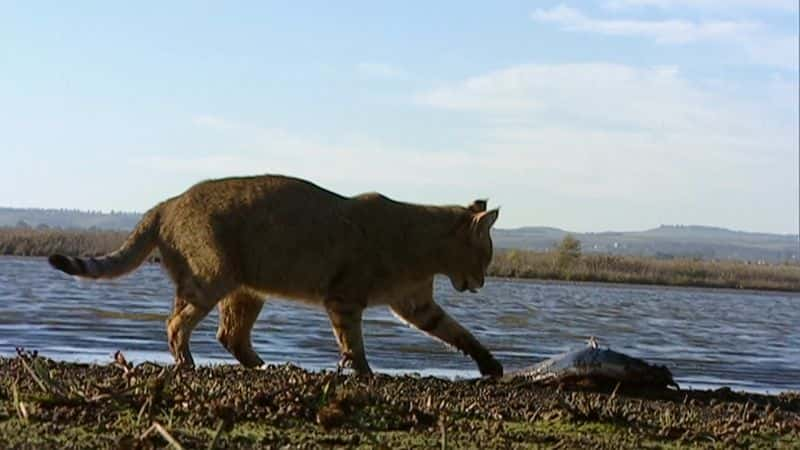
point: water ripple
(708, 338)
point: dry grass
(47, 404)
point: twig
(19, 406)
(122, 363)
(168, 437)
(614, 392)
(217, 432)
(164, 433)
(145, 406)
(120, 392)
(443, 429)
(33, 375)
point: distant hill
(666, 241)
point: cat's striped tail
(133, 252)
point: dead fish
(594, 365)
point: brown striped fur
(232, 241)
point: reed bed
(643, 270)
(45, 242)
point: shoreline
(639, 285)
(452, 375)
(44, 403)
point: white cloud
(662, 31)
(757, 44)
(591, 95)
(773, 51)
(380, 70)
(780, 5)
(623, 136)
(242, 148)
(582, 146)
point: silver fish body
(593, 364)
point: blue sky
(589, 116)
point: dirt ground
(48, 404)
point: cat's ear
(478, 206)
(483, 221)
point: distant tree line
(67, 218)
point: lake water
(708, 338)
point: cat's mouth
(465, 284)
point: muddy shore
(48, 404)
